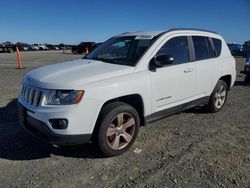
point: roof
(146, 33)
(155, 33)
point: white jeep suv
(130, 80)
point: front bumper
(41, 131)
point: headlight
(64, 97)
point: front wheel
(118, 128)
(218, 97)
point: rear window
(202, 47)
(217, 47)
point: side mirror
(163, 60)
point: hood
(74, 74)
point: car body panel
(74, 74)
(160, 89)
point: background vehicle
(247, 65)
(247, 47)
(27, 47)
(7, 47)
(82, 47)
(51, 46)
(35, 47)
(65, 46)
(24, 46)
(43, 47)
(237, 49)
(247, 68)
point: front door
(173, 84)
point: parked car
(247, 63)
(247, 47)
(130, 80)
(7, 47)
(27, 47)
(23, 46)
(35, 47)
(68, 47)
(65, 46)
(83, 47)
(237, 49)
(7, 43)
(61, 46)
(247, 70)
(43, 47)
(52, 47)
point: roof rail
(130, 32)
(124, 33)
(191, 29)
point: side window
(202, 47)
(176, 47)
(142, 46)
(217, 46)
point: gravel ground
(190, 149)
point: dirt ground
(190, 149)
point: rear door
(205, 64)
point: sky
(73, 21)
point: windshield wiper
(103, 59)
(96, 58)
(85, 57)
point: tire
(118, 127)
(218, 97)
(10, 50)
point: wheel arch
(135, 100)
(227, 79)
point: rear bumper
(41, 131)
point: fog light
(59, 123)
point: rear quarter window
(217, 46)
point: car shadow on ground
(17, 144)
(197, 110)
(240, 83)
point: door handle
(188, 70)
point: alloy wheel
(220, 96)
(120, 131)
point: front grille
(32, 96)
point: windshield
(124, 50)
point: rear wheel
(118, 128)
(218, 97)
